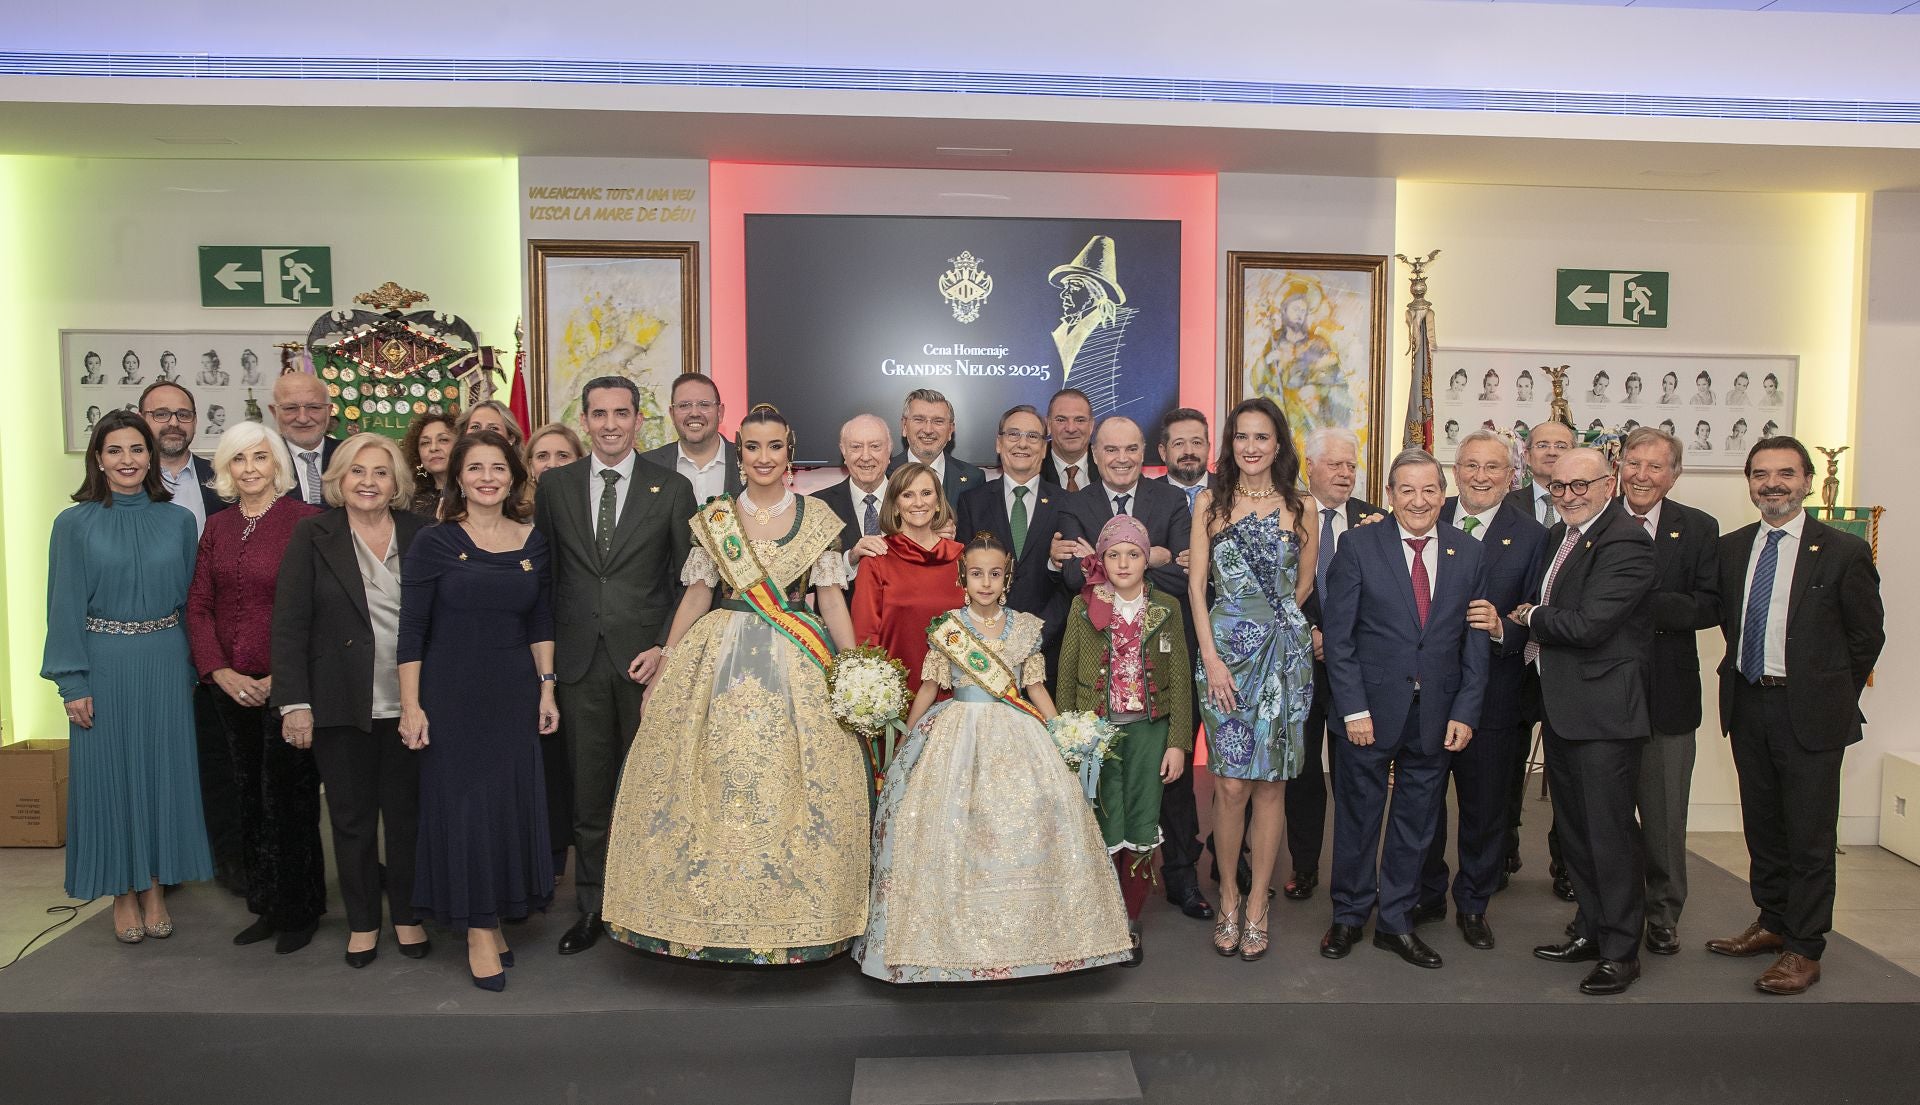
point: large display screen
(848, 313)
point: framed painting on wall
(612, 309)
(1309, 331)
(230, 375)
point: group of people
(489, 646)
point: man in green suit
(618, 527)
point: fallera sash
(718, 526)
(951, 637)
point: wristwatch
(549, 677)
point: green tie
(1470, 524)
(603, 527)
(1019, 519)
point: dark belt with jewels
(132, 629)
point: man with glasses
(1590, 624)
(1022, 509)
(171, 413)
(927, 424)
(1546, 444)
(709, 461)
(301, 412)
(1484, 771)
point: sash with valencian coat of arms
(717, 525)
(952, 639)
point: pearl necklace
(765, 515)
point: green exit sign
(1610, 297)
(266, 276)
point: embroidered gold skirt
(741, 832)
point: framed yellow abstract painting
(1309, 331)
(612, 309)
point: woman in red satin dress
(917, 579)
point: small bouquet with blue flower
(1085, 741)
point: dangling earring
(743, 473)
(789, 477)
(1003, 598)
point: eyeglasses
(1555, 446)
(1561, 488)
(1476, 468)
(306, 408)
(180, 415)
(704, 406)
(1015, 437)
(934, 421)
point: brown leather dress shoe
(1754, 940)
(1792, 973)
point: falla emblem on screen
(965, 286)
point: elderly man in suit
(1119, 452)
(1185, 448)
(1408, 677)
(1022, 510)
(1333, 467)
(858, 498)
(617, 524)
(1791, 702)
(708, 461)
(1591, 624)
(1483, 771)
(927, 424)
(1686, 599)
(302, 411)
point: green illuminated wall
(112, 245)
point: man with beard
(1069, 430)
(858, 498)
(302, 411)
(1185, 448)
(1791, 702)
(173, 415)
(710, 462)
(927, 424)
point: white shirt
(1774, 657)
(1083, 469)
(1653, 516)
(1128, 610)
(186, 492)
(1133, 499)
(1430, 556)
(1460, 516)
(938, 464)
(620, 486)
(859, 498)
(312, 493)
(1033, 496)
(708, 480)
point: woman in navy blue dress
(476, 692)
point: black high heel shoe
(416, 951)
(493, 983)
(357, 960)
(506, 958)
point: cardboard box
(33, 794)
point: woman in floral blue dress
(1254, 675)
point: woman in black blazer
(336, 620)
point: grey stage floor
(614, 1025)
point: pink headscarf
(1121, 529)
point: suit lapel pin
(1449, 552)
(1587, 545)
(1043, 502)
(655, 489)
(1506, 540)
(1673, 533)
(1813, 548)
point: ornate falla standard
(1421, 340)
(382, 364)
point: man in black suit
(1333, 467)
(302, 411)
(1069, 463)
(1022, 510)
(1483, 771)
(858, 498)
(617, 525)
(172, 415)
(927, 425)
(1591, 622)
(708, 461)
(1686, 599)
(1791, 702)
(1119, 453)
(1185, 447)
(1546, 444)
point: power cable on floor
(71, 912)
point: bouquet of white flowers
(867, 692)
(1085, 741)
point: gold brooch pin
(1813, 548)
(1589, 545)
(526, 565)
(1506, 540)
(1673, 533)
(463, 556)
(1449, 552)
(655, 489)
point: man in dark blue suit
(1397, 595)
(1022, 510)
(1483, 771)
(927, 426)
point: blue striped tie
(1327, 543)
(1753, 628)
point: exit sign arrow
(231, 276)
(1582, 297)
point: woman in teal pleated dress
(1254, 674)
(117, 576)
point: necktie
(1193, 495)
(1422, 586)
(1019, 519)
(1470, 523)
(870, 522)
(1549, 517)
(1753, 627)
(1073, 478)
(310, 460)
(1120, 504)
(1546, 587)
(1646, 523)
(609, 499)
(1327, 542)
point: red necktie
(1422, 586)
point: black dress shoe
(1577, 950)
(1427, 913)
(1339, 940)
(582, 935)
(1563, 888)
(416, 951)
(1409, 947)
(1474, 927)
(1193, 903)
(1300, 887)
(1512, 866)
(1503, 882)
(357, 960)
(289, 941)
(254, 933)
(1611, 976)
(1662, 940)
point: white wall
(1750, 274)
